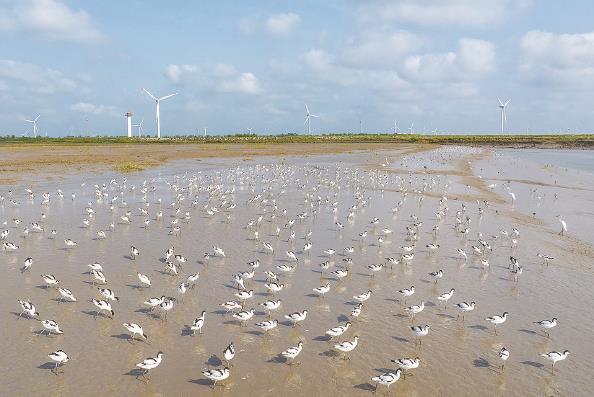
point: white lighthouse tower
(129, 120)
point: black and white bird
(60, 358)
(407, 364)
(27, 264)
(154, 302)
(420, 331)
(274, 287)
(244, 316)
(50, 280)
(28, 308)
(338, 330)
(555, 356)
(134, 252)
(547, 325)
(166, 307)
(347, 346)
(98, 276)
(267, 325)
(292, 352)
(135, 329)
(198, 323)
(70, 243)
(149, 364)
(446, 296)
(102, 306)
(356, 312)
(144, 280)
(503, 355)
(322, 289)
(436, 275)
(465, 307)
(387, 379)
(415, 309)
(296, 317)
(406, 292)
(497, 319)
(216, 375)
(51, 326)
(363, 297)
(229, 353)
(271, 305)
(244, 295)
(65, 293)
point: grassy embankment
(577, 141)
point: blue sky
(440, 64)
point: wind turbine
(158, 101)
(360, 126)
(410, 129)
(250, 130)
(308, 117)
(502, 106)
(139, 125)
(396, 129)
(34, 121)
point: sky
(241, 66)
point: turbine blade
(500, 103)
(505, 104)
(306, 109)
(167, 96)
(151, 95)
(38, 116)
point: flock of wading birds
(213, 196)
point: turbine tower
(128, 116)
(157, 102)
(308, 117)
(34, 122)
(502, 106)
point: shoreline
(44, 158)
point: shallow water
(458, 358)
(575, 159)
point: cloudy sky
(440, 64)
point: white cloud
(282, 25)
(245, 83)
(442, 12)
(220, 77)
(476, 56)
(89, 108)
(560, 58)
(33, 78)
(49, 20)
(430, 67)
(378, 47)
(473, 59)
